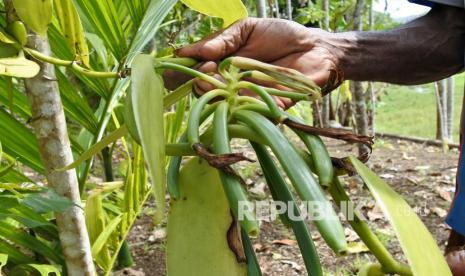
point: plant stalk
(50, 128)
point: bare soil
(424, 175)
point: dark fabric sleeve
(430, 3)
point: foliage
(96, 48)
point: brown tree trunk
(370, 94)
(49, 123)
(361, 121)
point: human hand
(279, 42)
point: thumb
(220, 45)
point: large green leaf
(419, 246)
(36, 14)
(199, 224)
(147, 99)
(18, 67)
(229, 10)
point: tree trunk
(370, 94)
(48, 121)
(261, 8)
(276, 9)
(440, 103)
(358, 93)
(326, 106)
(289, 9)
(450, 107)
(441, 130)
(371, 108)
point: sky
(400, 8)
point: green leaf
(19, 142)
(3, 261)
(229, 10)
(72, 29)
(14, 254)
(8, 201)
(105, 235)
(36, 14)
(18, 67)
(20, 102)
(136, 9)
(7, 169)
(198, 224)
(29, 269)
(154, 16)
(147, 99)
(103, 18)
(76, 107)
(419, 246)
(48, 201)
(97, 148)
(95, 221)
(23, 239)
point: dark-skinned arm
(424, 50)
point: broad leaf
(199, 224)
(229, 10)
(147, 99)
(36, 14)
(18, 67)
(419, 246)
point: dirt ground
(424, 175)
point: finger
(202, 86)
(312, 64)
(220, 45)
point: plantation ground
(424, 175)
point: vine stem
(71, 63)
(192, 72)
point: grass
(411, 110)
